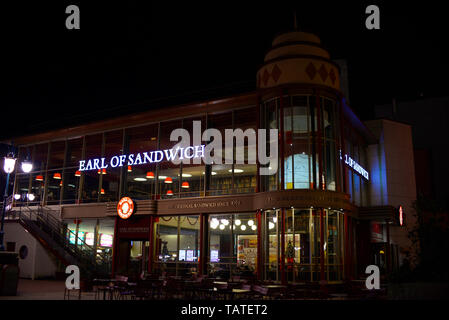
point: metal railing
(45, 220)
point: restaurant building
(329, 210)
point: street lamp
(8, 166)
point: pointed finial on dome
(295, 22)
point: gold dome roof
(298, 57)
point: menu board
(182, 255)
(90, 238)
(189, 255)
(106, 240)
(72, 237)
(214, 256)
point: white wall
(393, 174)
(38, 263)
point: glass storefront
(232, 245)
(177, 245)
(97, 234)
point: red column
(151, 245)
(282, 264)
(259, 245)
(388, 248)
(115, 247)
(202, 251)
(322, 274)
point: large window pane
(91, 177)
(111, 176)
(141, 180)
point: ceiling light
(140, 179)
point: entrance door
(133, 258)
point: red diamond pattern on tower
(311, 71)
(332, 76)
(323, 73)
(276, 73)
(265, 77)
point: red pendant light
(57, 175)
(60, 184)
(169, 193)
(78, 173)
(39, 178)
(130, 169)
(103, 171)
(99, 171)
(185, 185)
(168, 180)
(150, 175)
(102, 191)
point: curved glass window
(305, 142)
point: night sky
(129, 57)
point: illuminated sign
(106, 240)
(125, 207)
(90, 238)
(182, 255)
(73, 236)
(355, 166)
(142, 158)
(214, 256)
(189, 255)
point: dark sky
(127, 53)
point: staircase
(54, 235)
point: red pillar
(282, 264)
(151, 245)
(388, 248)
(322, 274)
(259, 245)
(115, 247)
(203, 254)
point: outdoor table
(239, 291)
(107, 286)
(275, 286)
(339, 295)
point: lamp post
(8, 167)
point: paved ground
(44, 290)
